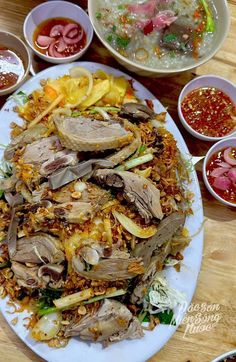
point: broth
(158, 34)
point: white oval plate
(185, 281)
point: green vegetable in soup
(169, 38)
(110, 38)
(122, 42)
(98, 15)
(121, 7)
(210, 24)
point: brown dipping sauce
(11, 68)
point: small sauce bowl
(15, 48)
(57, 9)
(221, 145)
(202, 82)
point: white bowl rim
(182, 119)
(13, 87)
(225, 355)
(210, 189)
(71, 57)
(161, 70)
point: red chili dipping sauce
(209, 111)
(221, 173)
(11, 68)
(59, 37)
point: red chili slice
(148, 28)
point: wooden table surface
(217, 279)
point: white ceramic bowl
(54, 9)
(206, 81)
(225, 355)
(223, 23)
(14, 43)
(228, 142)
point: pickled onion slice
(56, 30)
(44, 41)
(222, 183)
(229, 158)
(232, 174)
(219, 171)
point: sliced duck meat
(155, 266)
(41, 192)
(111, 322)
(50, 272)
(89, 255)
(41, 150)
(12, 233)
(86, 134)
(74, 212)
(8, 184)
(27, 276)
(179, 35)
(39, 248)
(86, 191)
(166, 229)
(136, 112)
(114, 269)
(134, 331)
(28, 136)
(136, 189)
(128, 150)
(13, 199)
(71, 173)
(59, 160)
(24, 191)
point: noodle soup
(158, 33)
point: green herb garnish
(98, 15)
(142, 149)
(117, 293)
(169, 38)
(76, 114)
(142, 316)
(210, 24)
(110, 38)
(114, 28)
(1, 193)
(5, 169)
(45, 302)
(20, 98)
(172, 54)
(166, 317)
(47, 310)
(122, 42)
(121, 7)
(5, 264)
(183, 47)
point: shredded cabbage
(162, 297)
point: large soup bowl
(222, 28)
